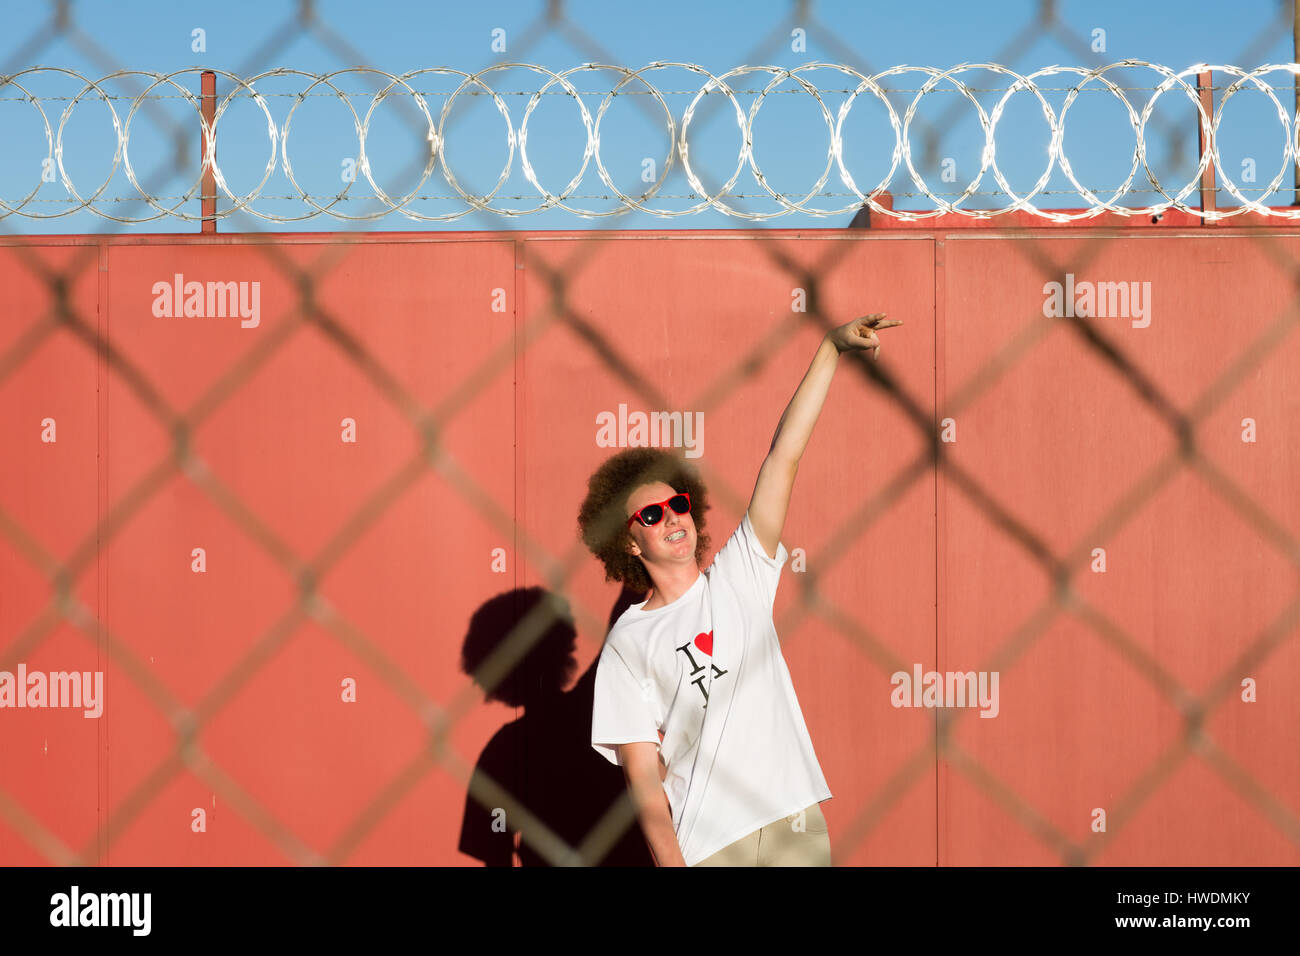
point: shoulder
(744, 548)
(735, 541)
(624, 637)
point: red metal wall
(223, 688)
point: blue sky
(790, 134)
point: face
(651, 544)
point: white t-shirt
(714, 651)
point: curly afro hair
(602, 520)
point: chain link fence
(528, 635)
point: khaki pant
(787, 842)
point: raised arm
(771, 498)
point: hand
(861, 333)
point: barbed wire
(680, 151)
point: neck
(670, 584)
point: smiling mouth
(676, 536)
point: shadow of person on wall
(543, 762)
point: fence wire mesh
(539, 618)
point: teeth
(677, 535)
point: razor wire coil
(635, 82)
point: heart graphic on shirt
(705, 642)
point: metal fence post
(208, 192)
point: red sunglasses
(653, 514)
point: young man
(693, 698)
